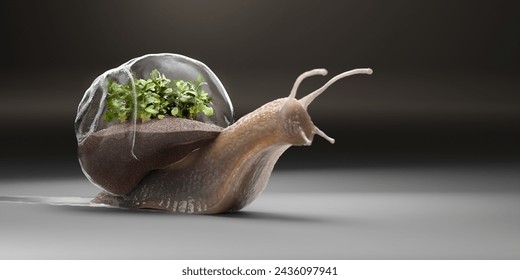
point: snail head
(297, 123)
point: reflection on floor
(422, 213)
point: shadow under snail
(204, 166)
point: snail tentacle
(304, 75)
(322, 134)
(305, 101)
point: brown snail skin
(230, 171)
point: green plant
(157, 97)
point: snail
(206, 166)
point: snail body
(220, 170)
(225, 175)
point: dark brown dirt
(106, 155)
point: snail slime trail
(158, 133)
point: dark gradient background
(445, 88)
(426, 161)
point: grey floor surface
(401, 213)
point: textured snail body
(200, 183)
(196, 167)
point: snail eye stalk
(302, 77)
(305, 101)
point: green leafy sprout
(157, 97)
